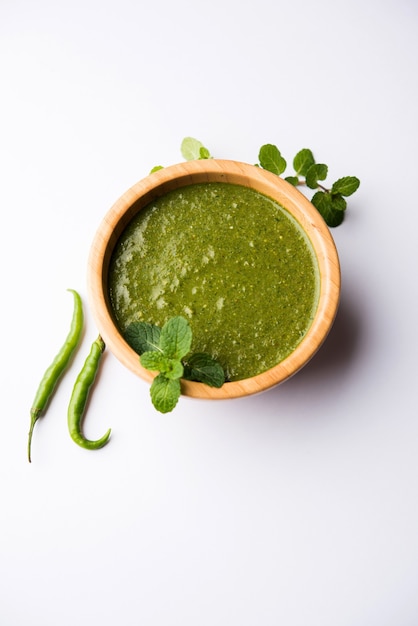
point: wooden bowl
(214, 170)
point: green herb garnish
(167, 351)
(193, 149)
(330, 202)
(156, 168)
(271, 159)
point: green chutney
(232, 261)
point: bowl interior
(214, 170)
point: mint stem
(302, 183)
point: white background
(298, 507)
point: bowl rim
(235, 172)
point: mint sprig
(330, 202)
(192, 149)
(167, 351)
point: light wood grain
(214, 170)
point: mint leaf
(191, 149)
(317, 171)
(323, 202)
(201, 367)
(303, 161)
(204, 153)
(271, 159)
(156, 168)
(338, 202)
(346, 185)
(293, 180)
(143, 337)
(176, 338)
(165, 393)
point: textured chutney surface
(230, 260)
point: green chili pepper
(79, 396)
(57, 367)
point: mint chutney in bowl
(237, 251)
